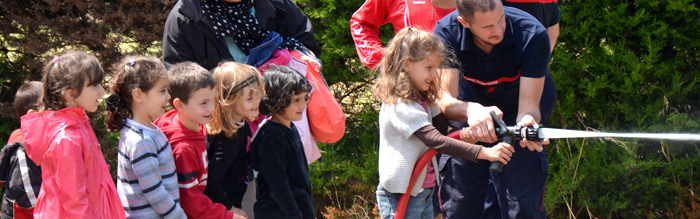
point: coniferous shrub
(625, 66)
(619, 66)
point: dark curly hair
(281, 83)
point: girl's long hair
(130, 73)
(72, 70)
(231, 78)
(394, 83)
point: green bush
(347, 174)
(620, 66)
(625, 66)
(345, 178)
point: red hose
(422, 161)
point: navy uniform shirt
(494, 79)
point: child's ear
(177, 103)
(137, 95)
(31, 111)
(69, 97)
(405, 64)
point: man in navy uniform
(502, 58)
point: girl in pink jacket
(59, 138)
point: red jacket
(15, 136)
(191, 165)
(365, 23)
(76, 180)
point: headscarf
(235, 20)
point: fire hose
(511, 134)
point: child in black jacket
(284, 189)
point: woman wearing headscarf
(247, 31)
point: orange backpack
(326, 117)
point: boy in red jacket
(192, 91)
(23, 186)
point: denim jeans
(420, 206)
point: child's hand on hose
(238, 213)
(500, 152)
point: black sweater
(12, 158)
(284, 189)
(228, 167)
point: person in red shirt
(365, 22)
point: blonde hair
(393, 83)
(230, 79)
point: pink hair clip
(55, 59)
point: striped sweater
(147, 183)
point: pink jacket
(76, 180)
(365, 23)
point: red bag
(326, 118)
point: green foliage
(620, 66)
(622, 69)
(331, 20)
(346, 176)
(13, 73)
(40, 29)
(625, 66)
(7, 125)
(347, 172)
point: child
(59, 138)
(408, 87)
(146, 179)
(284, 189)
(239, 89)
(19, 201)
(192, 90)
(26, 100)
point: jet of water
(564, 133)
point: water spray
(511, 134)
